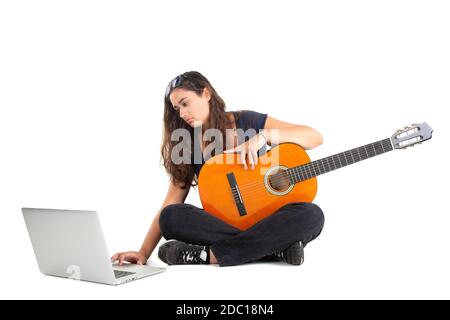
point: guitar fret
(310, 172)
(361, 155)
(381, 148)
(374, 149)
(354, 155)
(301, 173)
(318, 166)
(314, 168)
(325, 162)
(366, 152)
(308, 166)
(341, 155)
(298, 173)
(388, 144)
(323, 165)
(334, 162)
(347, 157)
(329, 163)
(305, 172)
(338, 166)
(339, 160)
(291, 175)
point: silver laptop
(70, 244)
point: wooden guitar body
(262, 190)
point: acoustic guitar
(284, 174)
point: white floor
(330, 272)
(385, 236)
(372, 253)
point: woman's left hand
(249, 149)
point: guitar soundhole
(279, 180)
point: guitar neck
(343, 159)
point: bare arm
(175, 194)
(304, 136)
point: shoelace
(190, 256)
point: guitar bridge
(236, 194)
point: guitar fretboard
(321, 166)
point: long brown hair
(183, 174)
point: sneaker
(178, 252)
(293, 254)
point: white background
(81, 101)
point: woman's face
(192, 108)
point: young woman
(198, 237)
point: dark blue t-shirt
(245, 120)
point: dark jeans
(298, 221)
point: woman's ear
(206, 93)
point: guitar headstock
(411, 135)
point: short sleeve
(252, 120)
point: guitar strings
(302, 172)
(302, 169)
(378, 147)
(254, 189)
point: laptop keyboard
(120, 274)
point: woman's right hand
(136, 257)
